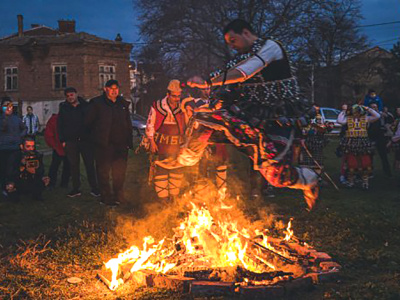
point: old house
(350, 80)
(37, 64)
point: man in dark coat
(109, 120)
(376, 133)
(12, 130)
(74, 136)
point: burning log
(211, 288)
(324, 276)
(106, 281)
(243, 273)
(176, 283)
(304, 283)
(283, 258)
(320, 256)
(143, 277)
(262, 292)
(204, 274)
(329, 265)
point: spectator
(377, 135)
(109, 120)
(12, 130)
(74, 136)
(387, 116)
(31, 122)
(26, 173)
(395, 140)
(53, 141)
(371, 98)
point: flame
(289, 231)
(205, 238)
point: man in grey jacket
(12, 130)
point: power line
(377, 24)
(385, 41)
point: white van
(330, 115)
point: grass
(42, 244)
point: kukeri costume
(315, 140)
(166, 126)
(217, 153)
(260, 121)
(355, 144)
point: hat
(174, 86)
(111, 82)
(70, 90)
(357, 109)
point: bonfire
(217, 244)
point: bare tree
(186, 35)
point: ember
(215, 242)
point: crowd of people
(99, 131)
(258, 110)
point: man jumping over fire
(261, 116)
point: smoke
(161, 217)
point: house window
(59, 77)
(11, 78)
(106, 72)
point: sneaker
(95, 193)
(74, 193)
(343, 179)
(365, 186)
(111, 205)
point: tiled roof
(46, 35)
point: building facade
(350, 80)
(39, 63)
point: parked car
(138, 124)
(330, 115)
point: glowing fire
(209, 238)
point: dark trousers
(5, 164)
(73, 151)
(380, 145)
(111, 159)
(56, 161)
(32, 186)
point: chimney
(66, 26)
(118, 38)
(35, 25)
(20, 25)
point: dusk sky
(106, 18)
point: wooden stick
(104, 279)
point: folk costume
(260, 118)
(166, 127)
(315, 141)
(216, 154)
(356, 145)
